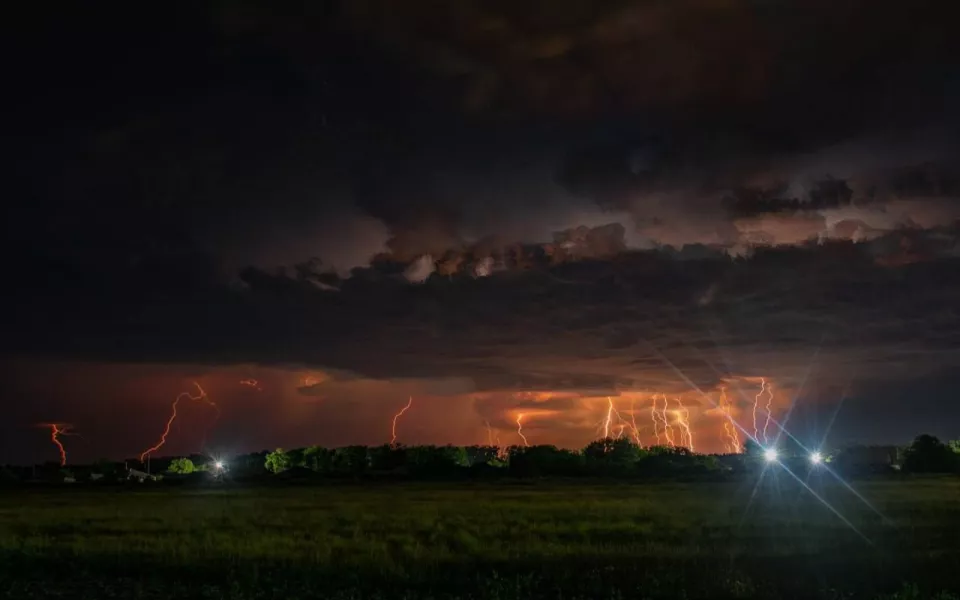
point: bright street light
(816, 458)
(770, 454)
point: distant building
(140, 475)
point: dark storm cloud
(271, 137)
(617, 329)
(586, 191)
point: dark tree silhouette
(927, 454)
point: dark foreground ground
(537, 540)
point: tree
(351, 459)
(296, 458)
(609, 455)
(544, 460)
(318, 459)
(277, 461)
(435, 460)
(181, 466)
(927, 454)
(388, 457)
(482, 455)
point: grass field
(536, 540)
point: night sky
(494, 207)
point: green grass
(540, 540)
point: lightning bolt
(769, 403)
(173, 417)
(683, 420)
(653, 417)
(489, 433)
(520, 429)
(606, 422)
(756, 402)
(393, 429)
(55, 432)
(253, 383)
(733, 438)
(667, 431)
(633, 422)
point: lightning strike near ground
(653, 417)
(667, 430)
(732, 441)
(55, 432)
(520, 430)
(767, 408)
(491, 437)
(683, 420)
(756, 403)
(173, 417)
(606, 421)
(396, 417)
(633, 422)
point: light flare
(393, 429)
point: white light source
(816, 458)
(218, 465)
(770, 454)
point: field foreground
(535, 540)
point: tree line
(606, 457)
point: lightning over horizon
(396, 417)
(173, 416)
(683, 420)
(56, 430)
(756, 404)
(768, 410)
(732, 438)
(520, 429)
